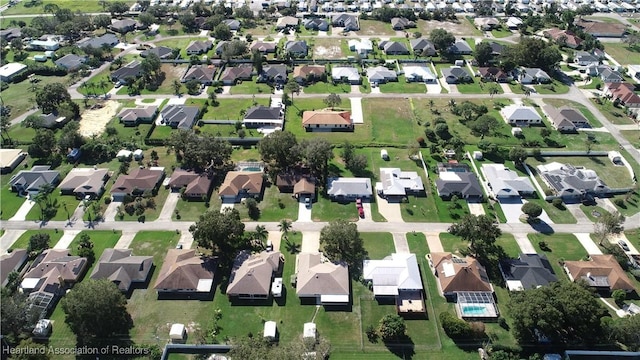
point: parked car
(623, 245)
(358, 203)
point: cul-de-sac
(320, 179)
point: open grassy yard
(60, 202)
(631, 203)
(555, 87)
(326, 88)
(73, 5)
(23, 240)
(191, 210)
(274, 206)
(453, 244)
(250, 87)
(614, 176)
(11, 202)
(378, 245)
(101, 239)
(558, 216)
(150, 214)
(562, 247)
(98, 85)
(374, 27)
(634, 237)
(595, 123)
(500, 33)
(323, 209)
(623, 53)
(20, 97)
(479, 87)
(392, 121)
(293, 123)
(403, 87)
(171, 73)
(179, 43)
(227, 109)
(633, 136)
(614, 114)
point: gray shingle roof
(119, 266)
(32, 180)
(532, 270)
(465, 184)
(180, 116)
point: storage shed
(178, 333)
(516, 131)
(309, 330)
(270, 330)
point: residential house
(10, 159)
(572, 183)
(287, 22)
(263, 47)
(29, 182)
(316, 24)
(623, 93)
(260, 116)
(52, 121)
(71, 62)
(486, 23)
(44, 45)
(346, 21)
(162, 52)
(634, 72)
(465, 185)
(513, 23)
(422, 47)
(505, 183)
(584, 58)
(395, 184)
(233, 74)
(220, 46)
(198, 47)
(565, 118)
(97, 42)
(563, 37)
(11, 262)
(400, 23)
(419, 73)
(327, 121)
(496, 48)
(533, 76)
(461, 47)
(252, 274)
(137, 182)
(196, 186)
(123, 26)
(520, 115)
(51, 274)
(241, 184)
(83, 182)
(10, 70)
(608, 75)
(138, 115)
(122, 268)
(393, 48)
(301, 185)
(179, 116)
(296, 48)
(131, 70)
(304, 74)
(493, 74)
(602, 29)
(11, 33)
(601, 272)
(528, 271)
(200, 73)
(381, 75)
(320, 280)
(362, 47)
(233, 24)
(397, 276)
(345, 74)
(456, 75)
(185, 272)
(349, 189)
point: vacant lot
(403, 87)
(378, 245)
(623, 53)
(460, 28)
(327, 49)
(274, 206)
(171, 73)
(250, 87)
(614, 176)
(374, 27)
(73, 5)
(20, 97)
(633, 136)
(392, 120)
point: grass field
(403, 87)
(11, 202)
(166, 87)
(378, 245)
(250, 87)
(21, 96)
(374, 27)
(73, 5)
(324, 209)
(623, 53)
(392, 120)
(558, 216)
(479, 87)
(614, 114)
(633, 136)
(23, 241)
(191, 210)
(500, 33)
(327, 88)
(613, 176)
(60, 201)
(101, 239)
(562, 247)
(92, 87)
(274, 206)
(227, 109)
(454, 244)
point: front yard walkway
(588, 244)
(66, 239)
(9, 237)
(24, 209)
(390, 211)
(400, 242)
(310, 242)
(524, 243)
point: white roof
(505, 182)
(514, 285)
(177, 331)
(396, 182)
(123, 153)
(11, 68)
(519, 112)
(350, 73)
(340, 299)
(350, 187)
(393, 273)
(29, 283)
(270, 329)
(204, 285)
(309, 330)
(9, 156)
(449, 176)
(418, 71)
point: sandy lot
(462, 27)
(330, 52)
(94, 121)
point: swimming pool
(474, 310)
(252, 169)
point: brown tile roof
(236, 181)
(140, 179)
(623, 92)
(326, 118)
(252, 274)
(53, 265)
(568, 36)
(263, 46)
(600, 265)
(237, 72)
(492, 72)
(315, 277)
(183, 270)
(305, 70)
(193, 182)
(119, 266)
(455, 274)
(305, 186)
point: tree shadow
(403, 348)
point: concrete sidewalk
(66, 239)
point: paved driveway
(9, 237)
(169, 206)
(66, 239)
(366, 206)
(525, 245)
(400, 242)
(24, 209)
(112, 210)
(226, 205)
(310, 241)
(304, 213)
(577, 213)
(511, 209)
(356, 110)
(434, 243)
(390, 211)
(475, 208)
(588, 244)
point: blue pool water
(473, 310)
(252, 169)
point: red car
(361, 212)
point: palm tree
(102, 84)
(284, 226)
(261, 233)
(177, 86)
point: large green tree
(221, 232)
(43, 145)
(483, 53)
(200, 151)
(563, 312)
(280, 150)
(479, 231)
(532, 52)
(626, 330)
(392, 328)
(96, 311)
(317, 153)
(442, 40)
(17, 316)
(51, 95)
(341, 241)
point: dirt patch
(174, 71)
(462, 27)
(93, 121)
(328, 52)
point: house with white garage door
(505, 183)
(520, 115)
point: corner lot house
(184, 272)
(345, 74)
(10, 158)
(349, 189)
(602, 273)
(529, 271)
(138, 115)
(571, 183)
(327, 121)
(320, 281)
(83, 182)
(623, 93)
(179, 116)
(462, 184)
(137, 182)
(71, 62)
(565, 118)
(505, 183)
(520, 115)
(29, 182)
(419, 73)
(11, 262)
(252, 274)
(8, 71)
(131, 70)
(395, 184)
(52, 120)
(196, 186)
(397, 276)
(241, 184)
(122, 268)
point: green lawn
(323, 209)
(23, 240)
(392, 121)
(274, 206)
(633, 136)
(149, 214)
(555, 87)
(631, 203)
(11, 202)
(374, 27)
(92, 87)
(227, 109)
(327, 88)
(191, 210)
(73, 5)
(558, 216)
(101, 239)
(613, 176)
(454, 244)
(378, 245)
(500, 33)
(562, 247)
(293, 123)
(479, 87)
(60, 202)
(21, 96)
(419, 209)
(614, 114)
(623, 53)
(634, 237)
(250, 87)
(166, 87)
(592, 210)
